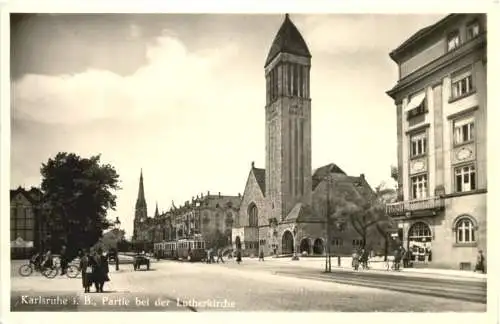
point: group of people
(211, 253)
(360, 257)
(94, 267)
(42, 260)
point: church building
(283, 208)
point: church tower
(288, 121)
(141, 209)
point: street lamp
(328, 260)
(295, 256)
(116, 226)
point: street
(251, 286)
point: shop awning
(415, 101)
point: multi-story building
(211, 216)
(441, 113)
(27, 229)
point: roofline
(395, 54)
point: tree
(363, 209)
(215, 239)
(384, 196)
(77, 193)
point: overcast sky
(182, 97)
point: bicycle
(26, 270)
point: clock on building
(463, 153)
(418, 166)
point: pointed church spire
(141, 198)
(288, 40)
(156, 211)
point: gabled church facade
(282, 209)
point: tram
(186, 249)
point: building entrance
(420, 242)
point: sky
(182, 96)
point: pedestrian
(261, 255)
(48, 261)
(480, 262)
(219, 256)
(212, 256)
(86, 271)
(100, 270)
(208, 256)
(64, 260)
(406, 257)
(355, 260)
(397, 259)
(238, 256)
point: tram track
(473, 291)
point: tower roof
(141, 198)
(288, 40)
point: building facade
(27, 229)
(211, 216)
(283, 206)
(440, 100)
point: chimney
(239, 195)
(253, 164)
(362, 175)
(192, 199)
(202, 195)
(219, 194)
(208, 193)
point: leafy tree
(362, 208)
(77, 192)
(384, 196)
(215, 239)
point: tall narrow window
(472, 30)
(419, 186)
(301, 81)
(465, 178)
(461, 84)
(289, 78)
(453, 40)
(295, 80)
(463, 130)
(465, 231)
(418, 144)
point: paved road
(468, 289)
(230, 287)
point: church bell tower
(288, 121)
(141, 209)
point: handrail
(403, 207)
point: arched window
(465, 230)
(253, 215)
(419, 231)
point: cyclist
(48, 261)
(36, 260)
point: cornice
(438, 64)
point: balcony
(413, 207)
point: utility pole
(328, 261)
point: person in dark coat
(238, 256)
(261, 255)
(100, 270)
(86, 269)
(480, 262)
(64, 260)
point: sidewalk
(376, 265)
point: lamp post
(328, 260)
(116, 226)
(295, 256)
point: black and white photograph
(234, 162)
